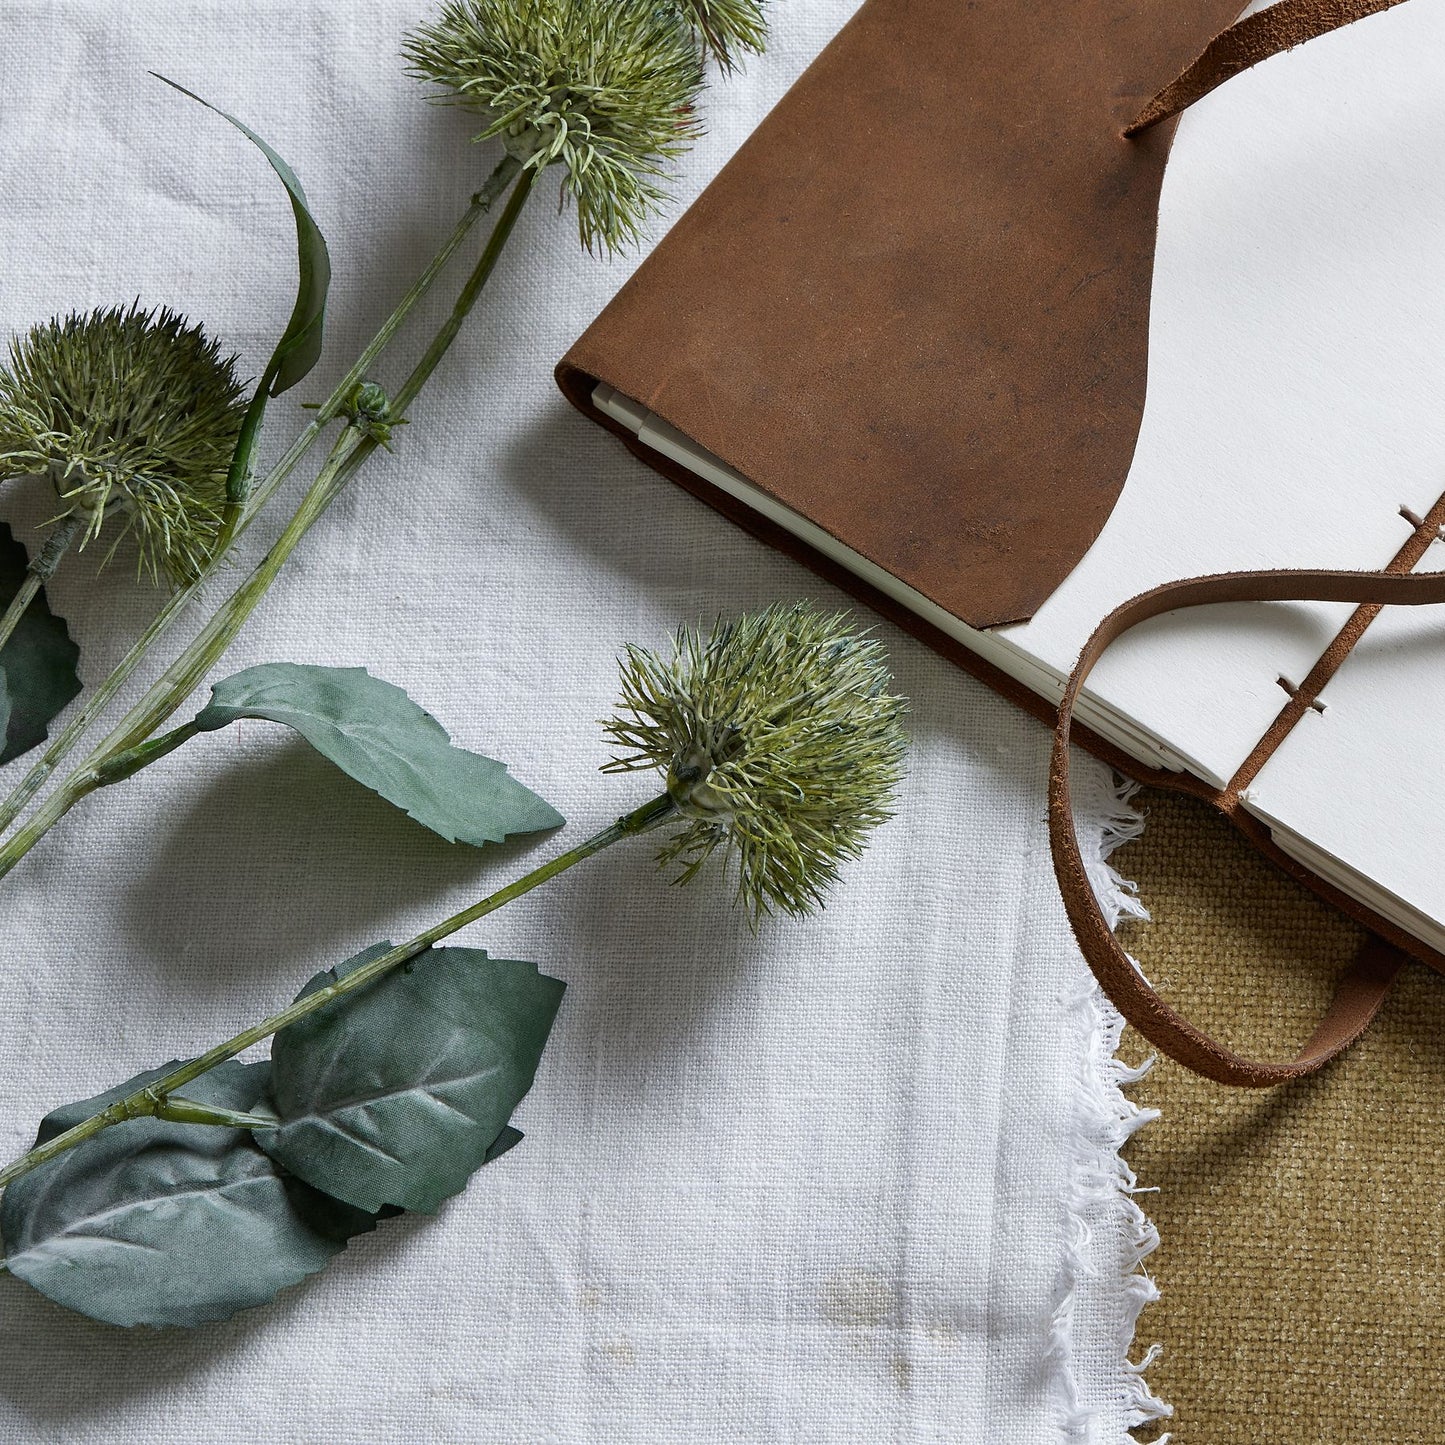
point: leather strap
(1363, 988)
(1282, 26)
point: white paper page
(1358, 780)
(1296, 376)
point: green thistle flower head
(604, 87)
(131, 414)
(728, 28)
(782, 744)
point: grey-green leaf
(398, 1093)
(509, 1138)
(37, 664)
(299, 348)
(169, 1224)
(376, 734)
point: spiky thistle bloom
(782, 743)
(131, 414)
(605, 88)
(728, 28)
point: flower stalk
(334, 406)
(40, 571)
(607, 93)
(356, 443)
(781, 740)
(158, 1098)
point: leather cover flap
(914, 306)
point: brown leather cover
(914, 307)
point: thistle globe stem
(152, 1099)
(40, 571)
(504, 174)
(352, 448)
(19, 605)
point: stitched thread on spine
(1102, 1188)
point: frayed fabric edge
(1102, 1187)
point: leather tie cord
(1364, 986)
(1282, 26)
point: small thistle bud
(728, 28)
(130, 414)
(781, 741)
(368, 409)
(603, 87)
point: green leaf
(37, 664)
(398, 1093)
(299, 348)
(376, 734)
(509, 1138)
(169, 1224)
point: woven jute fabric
(1303, 1228)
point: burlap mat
(1302, 1227)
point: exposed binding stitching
(1425, 532)
(1102, 1186)
(1290, 690)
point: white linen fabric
(847, 1179)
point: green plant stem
(352, 448)
(19, 605)
(441, 342)
(186, 671)
(119, 766)
(40, 571)
(182, 677)
(501, 177)
(147, 1101)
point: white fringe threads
(1101, 1200)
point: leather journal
(905, 336)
